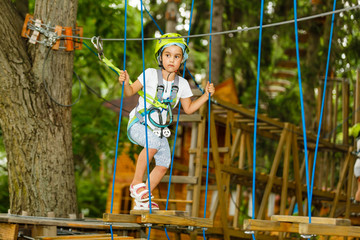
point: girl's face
(171, 58)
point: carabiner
(99, 46)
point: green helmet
(160, 43)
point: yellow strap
(154, 102)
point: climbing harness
(160, 127)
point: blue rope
(209, 117)
(145, 111)
(256, 112)
(119, 124)
(153, 19)
(177, 123)
(302, 111)
(322, 103)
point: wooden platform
(64, 222)
(88, 236)
(301, 225)
(162, 217)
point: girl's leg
(155, 176)
(141, 165)
(357, 195)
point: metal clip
(99, 46)
(166, 132)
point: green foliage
(4, 192)
(91, 193)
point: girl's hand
(209, 89)
(124, 78)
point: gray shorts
(357, 168)
(163, 156)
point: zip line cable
(235, 30)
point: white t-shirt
(151, 80)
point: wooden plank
(177, 220)
(272, 226)
(328, 230)
(161, 212)
(187, 118)
(316, 220)
(180, 179)
(109, 238)
(87, 236)
(172, 200)
(9, 231)
(63, 222)
(121, 218)
(220, 150)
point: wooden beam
(316, 220)
(297, 175)
(121, 218)
(161, 212)
(220, 150)
(8, 231)
(272, 175)
(328, 230)
(219, 180)
(343, 176)
(85, 236)
(272, 226)
(180, 179)
(177, 220)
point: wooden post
(285, 175)
(273, 171)
(345, 107)
(357, 98)
(198, 168)
(297, 173)
(219, 179)
(341, 182)
(238, 187)
(8, 231)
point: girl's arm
(129, 90)
(192, 106)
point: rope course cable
(237, 30)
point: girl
(170, 53)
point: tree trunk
(172, 10)
(37, 131)
(216, 45)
